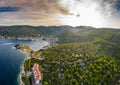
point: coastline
(27, 56)
(19, 80)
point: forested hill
(85, 55)
(89, 63)
(32, 31)
(66, 34)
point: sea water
(11, 59)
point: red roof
(36, 72)
(36, 66)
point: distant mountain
(32, 31)
(66, 34)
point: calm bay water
(11, 59)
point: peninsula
(30, 74)
(75, 63)
(83, 55)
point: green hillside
(66, 34)
(84, 56)
(90, 34)
(89, 63)
(32, 31)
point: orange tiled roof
(36, 66)
(36, 72)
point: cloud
(106, 7)
(51, 6)
(117, 6)
(9, 9)
(30, 12)
(98, 13)
(28, 18)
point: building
(35, 66)
(37, 74)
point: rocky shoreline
(20, 82)
(28, 51)
(20, 75)
(22, 72)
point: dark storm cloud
(9, 9)
(117, 6)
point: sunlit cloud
(28, 18)
(96, 13)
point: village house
(37, 74)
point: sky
(96, 13)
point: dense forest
(84, 56)
(96, 62)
